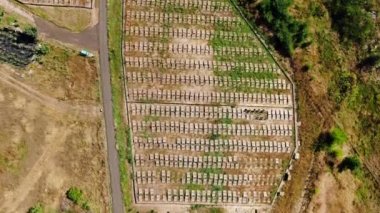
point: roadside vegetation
(123, 140)
(333, 49)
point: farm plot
(211, 114)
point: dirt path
(61, 106)
(86, 39)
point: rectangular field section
(211, 114)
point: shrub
(38, 208)
(332, 142)
(74, 194)
(31, 31)
(352, 163)
(43, 49)
(289, 33)
(351, 19)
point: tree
(351, 19)
(352, 163)
(289, 33)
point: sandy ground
(43, 153)
(334, 193)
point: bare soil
(43, 153)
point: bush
(38, 208)
(332, 142)
(351, 19)
(31, 31)
(74, 194)
(289, 33)
(43, 49)
(352, 163)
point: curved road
(113, 161)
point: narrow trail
(52, 103)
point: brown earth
(43, 153)
(51, 133)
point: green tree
(351, 19)
(289, 33)
(352, 163)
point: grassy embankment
(115, 37)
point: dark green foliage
(129, 146)
(31, 31)
(370, 61)
(351, 19)
(289, 33)
(38, 208)
(74, 194)
(352, 163)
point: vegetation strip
(115, 30)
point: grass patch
(224, 121)
(76, 196)
(196, 206)
(332, 142)
(217, 188)
(175, 8)
(194, 186)
(151, 118)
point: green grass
(174, 8)
(194, 186)
(115, 30)
(339, 138)
(224, 121)
(217, 188)
(151, 118)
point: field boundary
(264, 44)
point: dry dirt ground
(51, 141)
(334, 193)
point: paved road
(117, 198)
